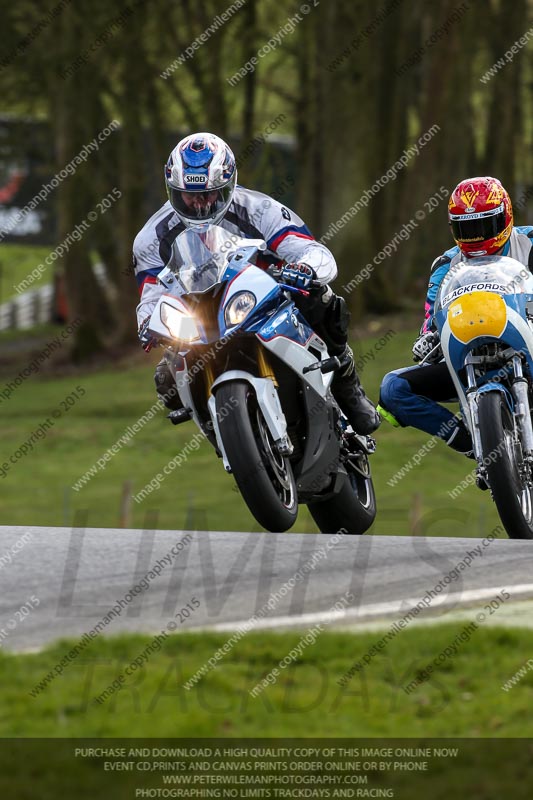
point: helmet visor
(200, 206)
(471, 228)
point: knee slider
(392, 393)
(163, 378)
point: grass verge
(463, 697)
(16, 263)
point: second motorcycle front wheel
(511, 488)
(264, 477)
(351, 511)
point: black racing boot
(461, 441)
(350, 396)
(165, 386)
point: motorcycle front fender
(492, 386)
(268, 401)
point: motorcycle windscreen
(200, 255)
(498, 274)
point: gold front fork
(209, 379)
(264, 366)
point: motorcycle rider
(480, 215)
(201, 183)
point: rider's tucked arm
(290, 239)
(439, 268)
(147, 265)
(315, 255)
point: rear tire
(264, 478)
(503, 458)
(351, 511)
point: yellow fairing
(477, 314)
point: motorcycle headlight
(179, 324)
(239, 307)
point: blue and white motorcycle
(256, 380)
(484, 315)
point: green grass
(16, 263)
(198, 494)
(463, 698)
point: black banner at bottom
(406, 769)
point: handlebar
(293, 289)
(328, 365)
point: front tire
(351, 511)
(264, 478)
(503, 459)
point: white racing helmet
(200, 177)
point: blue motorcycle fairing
(259, 283)
(290, 324)
(283, 317)
(511, 336)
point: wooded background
(354, 83)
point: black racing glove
(147, 339)
(425, 344)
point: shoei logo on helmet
(196, 179)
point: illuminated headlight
(239, 307)
(179, 324)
